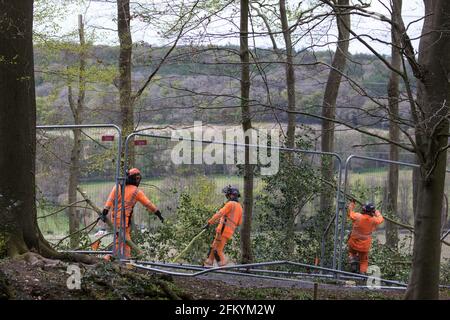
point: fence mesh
(367, 181)
(60, 170)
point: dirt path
(44, 280)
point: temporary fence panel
(366, 180)
(68, 158)
(185, 180)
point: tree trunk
(246, 250)
(415, 184)
(17, 129)
(329, 102)
(431, 138)
(125, 94)
(77, 112)
(394, 132)
(444, 214)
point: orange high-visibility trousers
(216, 251)
(363, 257)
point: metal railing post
(347, 165)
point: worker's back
(363, 226)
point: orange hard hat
(133, 171)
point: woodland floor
(41, 279)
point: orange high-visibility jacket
(229, 217)
(363, 226)
(132, 195)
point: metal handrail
(346, 169)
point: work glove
(160, 217)
(206, 226)
(104, 214)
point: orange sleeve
(110, 202)
(378, 218)
(225, 209)
(142, 198)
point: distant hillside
(214, 72)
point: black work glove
(206, 226)
(104, 214)
(160, 217)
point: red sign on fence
(140, 142)
(107, 138)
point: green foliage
(365, 193)
(312, 103)
(292, 187)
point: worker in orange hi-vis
(132, 195)
(229, 217)
(360, 240)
